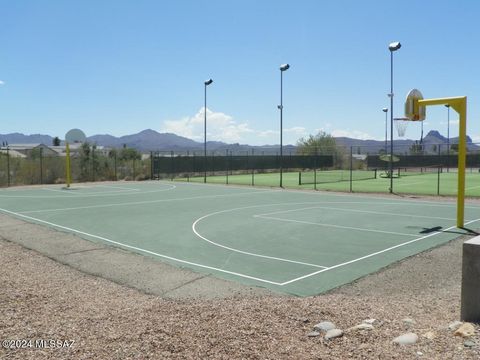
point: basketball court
(296, 242)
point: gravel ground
(43, 299)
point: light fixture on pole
(283, 68)
(385, 110)
(394, 46)
(206, 83)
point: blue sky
(120, 66)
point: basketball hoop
(401, 125)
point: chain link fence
(412, 169)
(38, 168)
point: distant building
(25, 150)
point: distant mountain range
(150, 140)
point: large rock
(333, 333)
(324, 326)
(454, 325)
(406, 339)
(362, 326)
(466, 330)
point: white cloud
(2, 82)
(220, 127)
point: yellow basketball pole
(460, 106)
(69, 177)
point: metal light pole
(394, 46)
(448, 137)
(206, 83)
(283, 68)
(385, 110)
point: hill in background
(151, 140)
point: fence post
(93, 164)
(439, 168)
(227, 167)
(151, 165)
(315, 169)
(351, 167)
(8, 166)
(171, 165)
(253, 168)
(41, 165)
(133, 177)
(115, 165)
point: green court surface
(297, 242)
(410, 183)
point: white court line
(373, 254)
(141, 202)
(139, 249)
(358, 211)
(65, 192)
(335, 226)
(241, 251)
(80, 195)
(196, 232)
(117, 187)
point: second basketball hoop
(413, 111)
(401, 125)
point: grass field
(413, 183)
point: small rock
(406, 339)
(369, 321)
(430, 335)
(362, 326)
(419, 353)
(324, 326)
(333, 333)
(313, 334)
(466, 330)
(469, 343)
(408, 321)
(454, 325)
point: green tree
(56, 141)
(320, 144)
(85, 151)
(129, 154)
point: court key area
(290, 241)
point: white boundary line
(194, 225)
(197, 233)
(335, 226)
(223, 195)
(138, 249)
(64, 192)
(373, 254)
(359, 211)
(118, 187)
(142, 202)
(72, 194)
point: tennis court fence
(339, 168)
